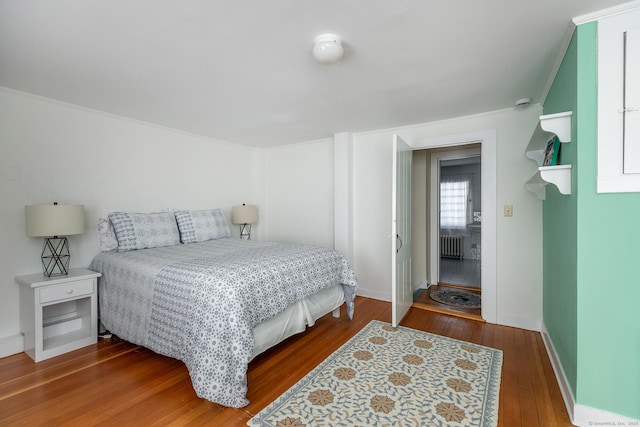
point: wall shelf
(560, 176)
(550, 125)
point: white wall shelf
(560, 176)
(550, 125)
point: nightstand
(59, 313)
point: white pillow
(108, 240)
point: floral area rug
(456, 298)
(386, 376)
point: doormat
(457, 298)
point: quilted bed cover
(199, 302)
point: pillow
(197, 226)
(108, 240)
(144, 230)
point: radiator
(451, 246)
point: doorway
(460, 221)
(453, 194)
(426, 273)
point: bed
(187, 290)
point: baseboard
(420, 288)
(368, 293)
(519, 322)
(423, 285)
(561, 378)
(580, 415)
(13, 344)
(585, 416)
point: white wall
(51, 151)
(299, 193)
(519, 242)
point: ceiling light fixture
(523, 102)
(328, 48)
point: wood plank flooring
(115, 383)
(423, 301)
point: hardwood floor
(117, 383)
(423, 301)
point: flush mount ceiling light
(328, 48)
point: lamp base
(245, 231)
(55, 256)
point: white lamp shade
(245, 214)
(54, 220)
(328, 48)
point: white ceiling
(242, 71)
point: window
(454, 201)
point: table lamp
(244, 215)
(54, 222)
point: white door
(402, 290)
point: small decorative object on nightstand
(58, 314)
(244, 215)
(53, 222)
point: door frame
(489, 153)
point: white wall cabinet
(619, 103)
(549, 125)
(59, 313)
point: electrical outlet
(508, 210)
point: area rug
(386, 376)
(456, 298)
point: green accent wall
(591, 254)
(559, 303)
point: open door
(402, 292)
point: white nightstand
(58, 313)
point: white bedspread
(199, 302)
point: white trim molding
(489, 151)
(528, 323)
(561, 378)
(343, 193)
(607, 13)
(585, 416)
(580, 415)
(423, 285)
(13, 344)
(374, 294)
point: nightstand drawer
(66, 290)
